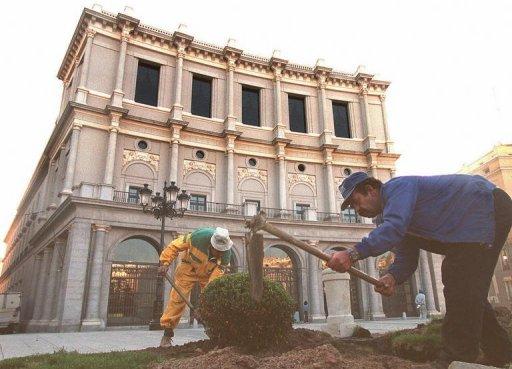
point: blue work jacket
(451, 209)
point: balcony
(248, 209)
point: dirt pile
(305, 349)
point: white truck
(10, 305)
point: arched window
(135, 250)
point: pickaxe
(259, 222)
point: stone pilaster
(107, 187)
(41, 291)
(71, 296)
(314, 291)
(81, 92)
(277, 64)
(70, 169)
(176, 127)
(60, 247)
(51, 285)
(118, 94)
(92, 319)
(231, 54)
(180, 40)
(280, 145)
(426, 283)
(387, 136)
(326, 127)
(375, 299)
(50, 188)
(329, 181)
(38, 261)
(230, 169)
(363, 80)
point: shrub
(417, 347)
(232, 318)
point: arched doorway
(280, 265)
(403, 298)
(132, 283)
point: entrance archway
(281, 265)
(403, 298)
(133, 275)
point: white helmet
(220, 239)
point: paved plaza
(25, 344)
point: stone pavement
(25, 344)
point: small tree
(231, 317)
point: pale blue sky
(449, 62)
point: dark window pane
(133, 194)
(340, 116)
(202, 96)
(300, 211)
(250, 106)
(197, 202)
(349, 215)
(297, 114)
(146, 90)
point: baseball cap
(348, 186)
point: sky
(449, 63)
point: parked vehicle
(10, 306)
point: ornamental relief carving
(153, 160)
(294, 178)
(260, 174)
(191, 165)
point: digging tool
(182, 295)
(259, 222)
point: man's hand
(162, 270)
(340, 261)
(387, 288)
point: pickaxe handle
(264, 225)
(180, 292)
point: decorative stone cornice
(181, 39)
(321, 70)
(153, 160)
(101, 228)
(276, 62)
(127, 22)
(110, 109)
(232, 53)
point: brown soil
(306, 349)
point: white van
(10, 303)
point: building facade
(238, 132)
(496, 166)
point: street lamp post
(172, 204)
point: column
(41, 205)
(321, 73)
(363, 80)
(229, 122)
(230, 167)
(70, 169)
(107, 188)
(340, 322)
(281, 162)
(41, 286)
(81, 93)
(314, 291)
(118, 94)
(71, 294)
(50, 188)
(60, 248)
(176, 128)
(51, 284)
(375, 299)
(389, 143)
(92, 319)
(278, 64)
(329, 180)
(38, 260)
(177, 108)
(426, 283)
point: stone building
(239, 132)
(496, 166)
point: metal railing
(242, 210)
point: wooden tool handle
(313, 250)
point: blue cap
(348, 186)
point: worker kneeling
(207, 254)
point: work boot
(167, 338)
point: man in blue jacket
(467, 219)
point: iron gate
(132, 294)
(288, 279)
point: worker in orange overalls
(207, 255)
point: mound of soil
(306, 349)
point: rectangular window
(349, 215)
(146, 89)
(250, 106)
(202, 96)
(197, 202)
(340, 117)
(133, 194)
(252, 207)
(297, 113)
(301, 211)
